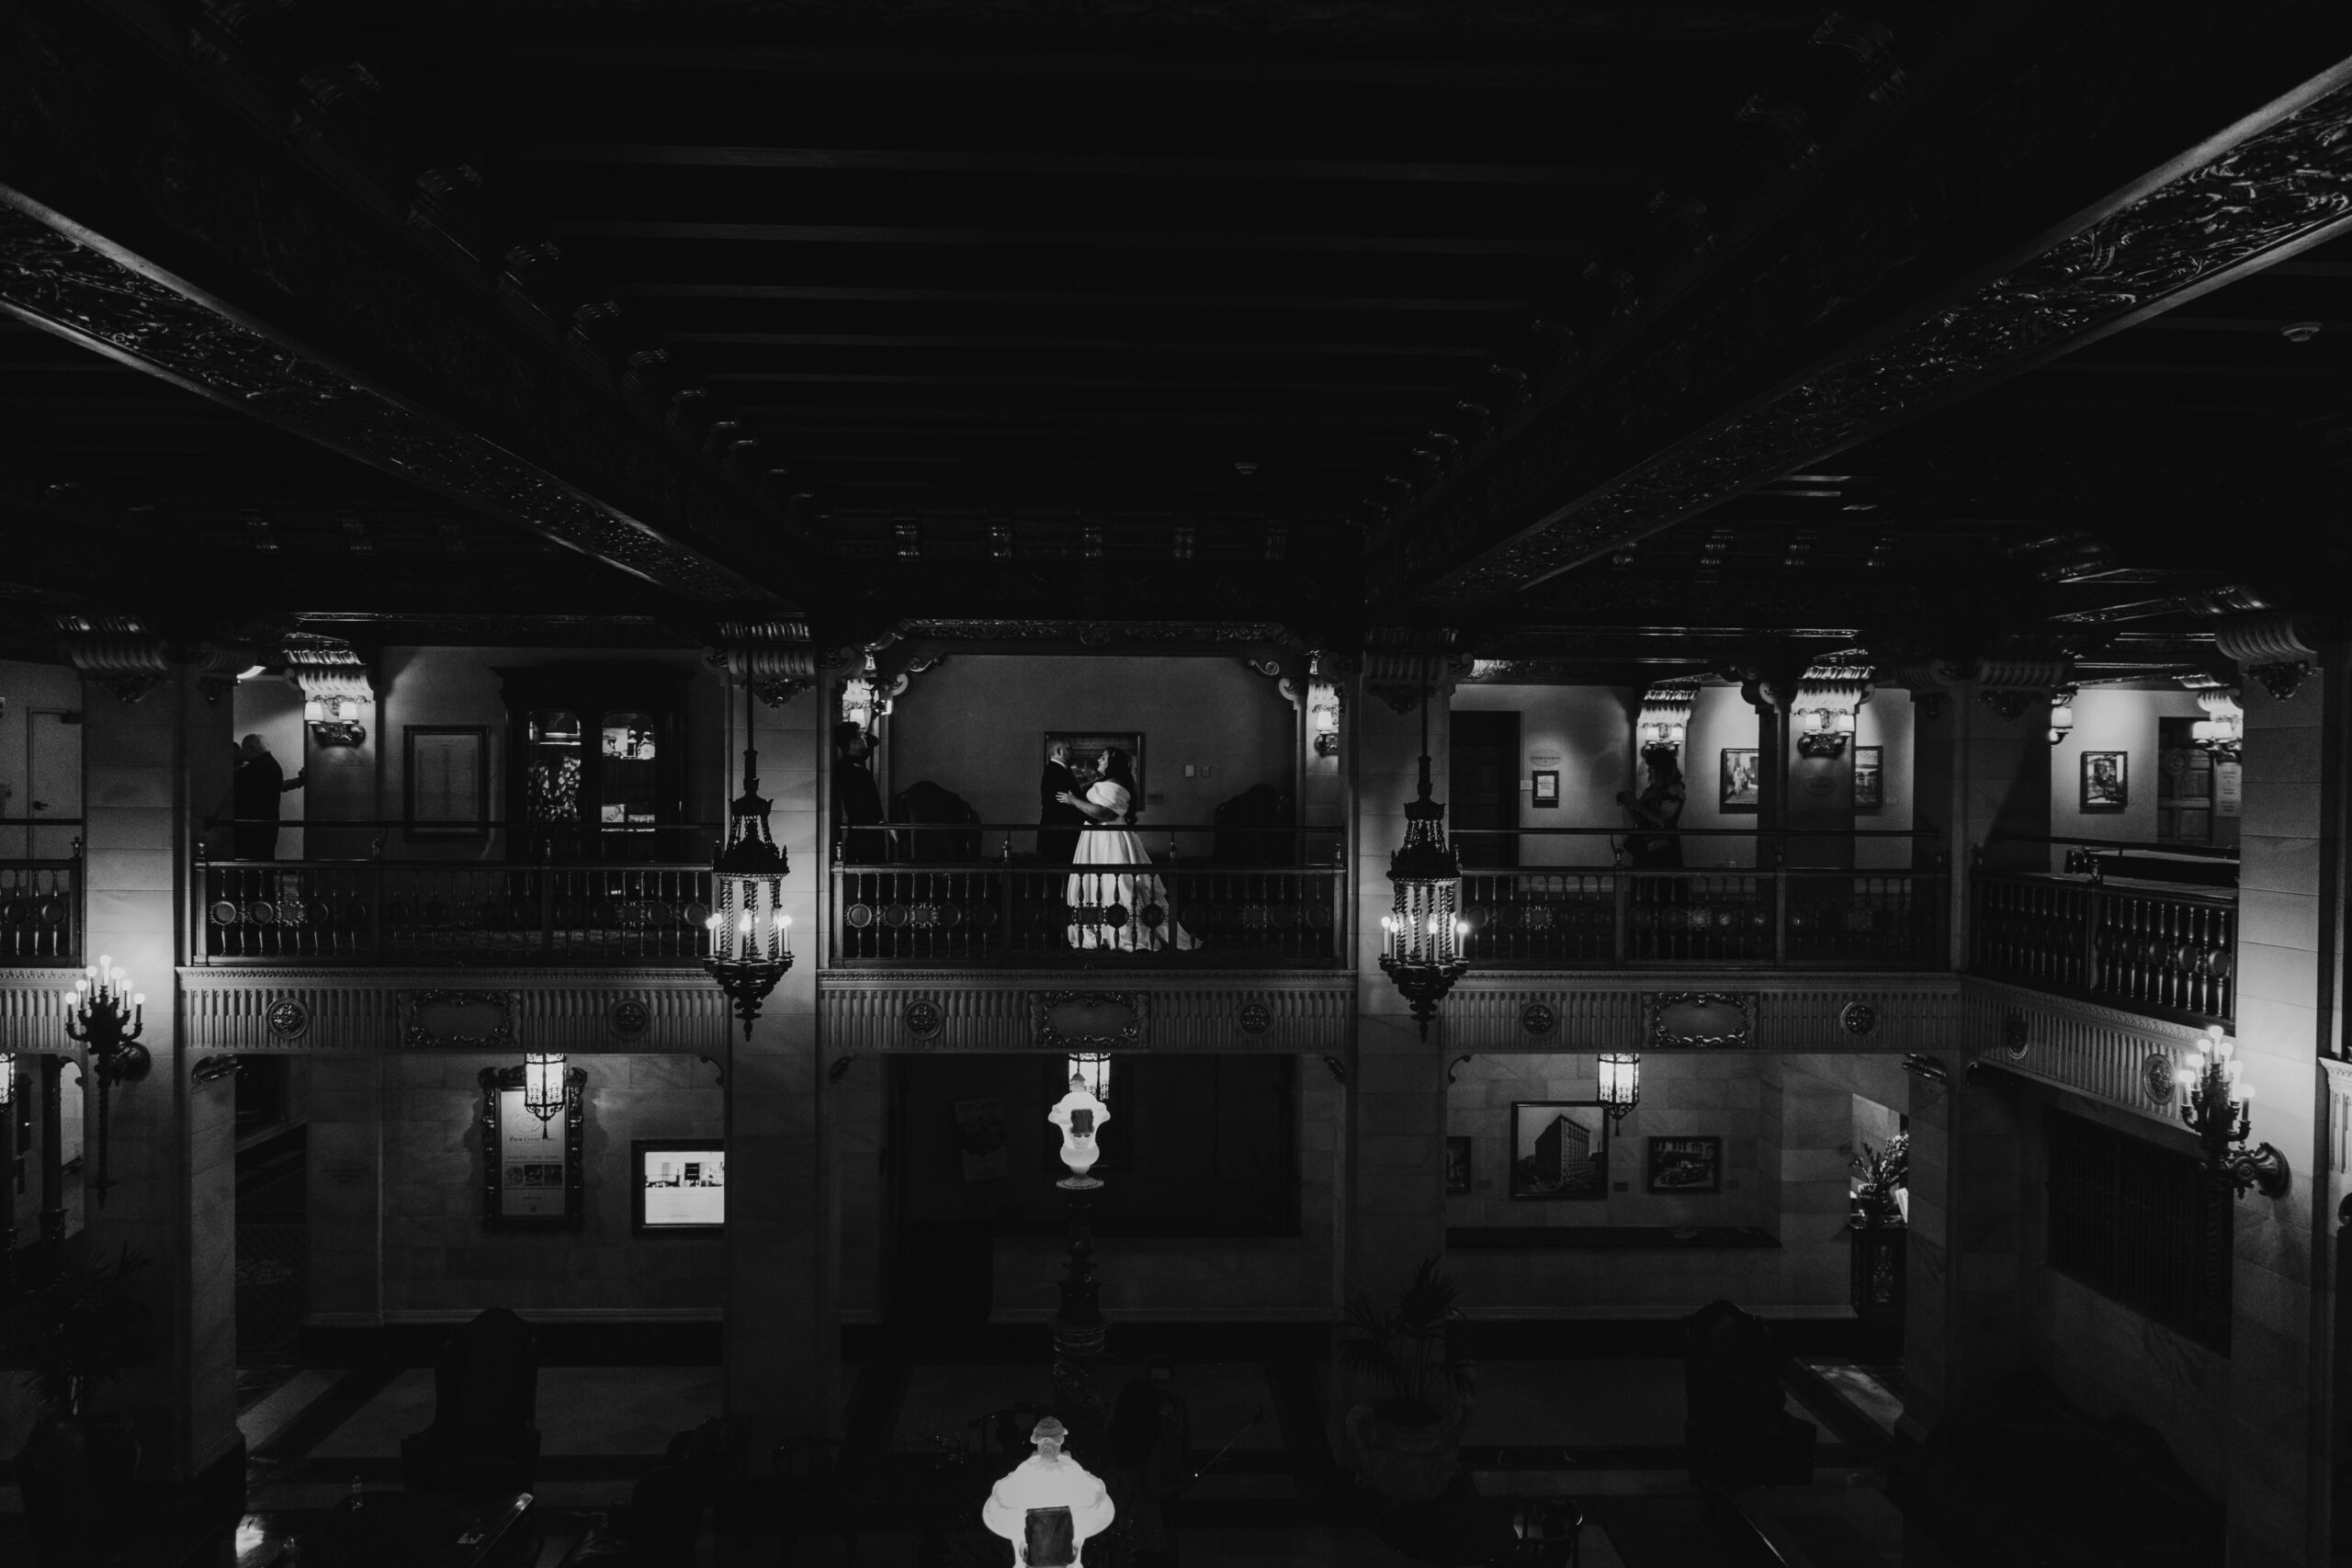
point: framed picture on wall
(2107, 781)
(1086, 748)
(1740, 786)
(1559, 1148)
(446, 788)
(1684, 1164)
(1870, 777)
(1457, 1165)
(679, 1184)
(531, 1168)
(1545, 790)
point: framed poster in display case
(1544, 789)
(1559, 1148)
(531, 1169)
(1740, 783)
(445, 781)
(1870, 777)
(679, 1184)
(2107, 781)
(1677, 1166)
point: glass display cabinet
(595, 753)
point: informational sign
(530, 1157)
(2229, 788)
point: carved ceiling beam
(1931, 265)
(143, 218)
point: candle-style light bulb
(139, 1000)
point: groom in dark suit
(1057, 824)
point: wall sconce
(1664, 722)
(334, 721)
(1324, 719)
(544, 1094)
(1080, 1116)
(111, 1016)
(1824, 731)
(1663, 736)
(2216, 1106)
(1621, 1084)
(2061, 713)
(2222, 731)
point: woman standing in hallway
(1122, 908)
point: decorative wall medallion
(1860, 1018)
(922, 1018)
(2016, 1035)
(1253, 1018)
(2156, 1072)
(1700, 1018)
(287, 1018)
(473, 1021)
(1088, 1021)
(630, 1018)
(1537, 1018)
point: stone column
(783, 1328)
(2278, 1428)
(1394, 1122)
(1980, 772)
(156, 755)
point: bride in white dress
(1123, 910)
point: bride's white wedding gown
(1114, 906)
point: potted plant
(1884, 1173)
(1407, 1443)
(77, 1327)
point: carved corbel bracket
(774, 656)
(336, 687)
(1402, 667)
(129, 667)
(2277, 647)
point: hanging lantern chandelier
(543, 1087)
(1621, 1084)
(751, 936)
(1422, 952)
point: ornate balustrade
(1619, 918)
(41, 912)
(2169, 953)
(438, 912)
(1001, 912)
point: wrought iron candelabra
(110, 1017)
(2216, 1106)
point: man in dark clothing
(252, 799)
(856, 800)
(1057, 825)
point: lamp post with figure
(1080, 1327)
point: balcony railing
(2167, 952)
(1622, 919)
(441, 913)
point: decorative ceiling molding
(2280, 189)
(84, 109)
(1098, 634)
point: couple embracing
(1112, 904)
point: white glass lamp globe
(1048, 1479)
(1081, 1117)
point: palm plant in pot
(77, 1327)
(1407, 1443)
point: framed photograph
(1559, 1148)
(531, 1169)
(1684, 1164)
(1086, 748)
(1457, 1165)
(1870, 777)
(1741, 788)
(446, 790)
(2107, 781)
(980, 1140)
(679, 1184)
(1545, 792)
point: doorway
(54, 780)
(1482, 787)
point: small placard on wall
(1546, 792)
(2229, 788)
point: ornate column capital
(775, 657)
(2277, 647)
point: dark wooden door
(1483, 787)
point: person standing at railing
(1057, 825)
(252, 799)
(1113, 905)
(1657, 809)
(857, 800)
